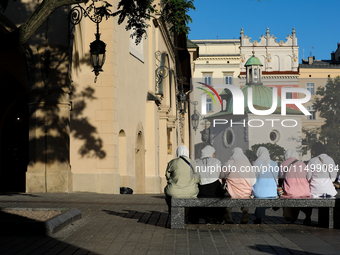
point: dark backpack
(125, 190)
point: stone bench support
(326, 206)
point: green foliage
(329, 103)
(251, 155)
(310, 138)
(138, 12)
(328, 106)
(175, 13)
(276, 152)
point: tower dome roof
(262, 98)
(253, 61)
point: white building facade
(218, 63)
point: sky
(316, 22)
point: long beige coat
(182, 181)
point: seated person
(182, 180)
(208, 168)
(293, 176)
(266, 180)
(239, 182)
(321, 172)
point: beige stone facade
(119, 131)
(313, 75)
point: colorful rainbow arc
(212, 89)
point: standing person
(293, 176)
(239, 181)
(209, 186)
(182, 181)
(266, 181)
(321, 172)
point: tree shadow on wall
(46, 62)
(53, 116)
(82, 128)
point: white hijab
(291, 154)
(241, 160)
(263, 157)
(207, 152)
(182, 151)
(238, 156)
(207, 173)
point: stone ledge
(60, 221)
(24, 226)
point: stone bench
(326, 206)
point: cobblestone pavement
(137, 224)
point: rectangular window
(255, 74)
(207, 79)
(136, 50)
(312, 138)
(209, 104)
(228, 80)
(289, 95)
(310, 88)
(204, 104)
(312, 111)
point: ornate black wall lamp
(182, 98)
(95, 14)
(161, 72)
(195, 119)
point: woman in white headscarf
(240, 178)
(321, 172)
(182, 180)
(209, 169)
(266, 180)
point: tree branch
(22, 34)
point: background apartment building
(313, 75)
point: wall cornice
(165, 34)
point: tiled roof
(190, 44)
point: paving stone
(120, 224)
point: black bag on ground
(125, 190)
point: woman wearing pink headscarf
(239, 181)
(293, 176)
(293, 173)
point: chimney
(310, 60)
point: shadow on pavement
(160, 197)
(272, 249)
(17, 240)
(16, 194)
(154, 218)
